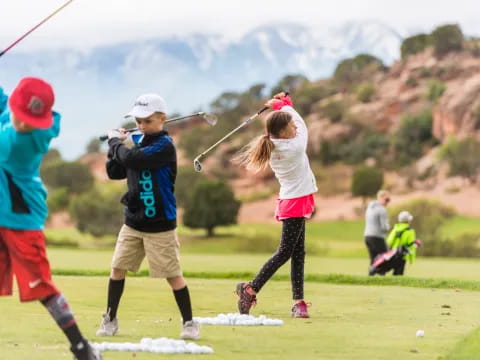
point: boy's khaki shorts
(162, 250)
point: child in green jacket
(403, 235)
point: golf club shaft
(105, 137)
(233, 131)
(34, 28)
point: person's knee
(177, 282)
(117, 274)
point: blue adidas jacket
(22, 194)
(150, 168)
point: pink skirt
(293, 208)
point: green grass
(460, 225)
(348, 322)
(467, 349)
(332, 238)
(436, 268)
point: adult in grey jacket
(376, 225)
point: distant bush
(52, 156)
(462, 157)
(411, 82)
(98, 211)
(306, 96)
(353, 70)
(363, 147)
(334, 110)
(58, 200)
(212, 203)
(75, 176)
(436, 89)
(414, 133)
(428, 217)
(94, 146)
(289, 83)
(366, 181)
(447, 38)
(365, 93)
(415, 44)
(476, 117)
(186, 180)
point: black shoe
(85, 351)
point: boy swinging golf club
(150, 168)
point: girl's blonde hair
(256, 154)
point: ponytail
(256, 154)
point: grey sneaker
(85, 351)
(190, 331)
(107, 327)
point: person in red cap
(27, 125)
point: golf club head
(210, 118)
(197, 165)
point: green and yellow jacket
(403, 235)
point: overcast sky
(86, 23)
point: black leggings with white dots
(292, 245)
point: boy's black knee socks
(182, 297)
(115, 291)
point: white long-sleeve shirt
(289, 161)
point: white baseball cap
(146, 105)
(405, 217)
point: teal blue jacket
(22, 194)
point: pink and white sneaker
(245, 300)
(300, 310)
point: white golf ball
(420, 333)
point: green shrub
(414, 133)
(185, 182)
(289, 83)
(365, 93)
(366, 181)
(306, 96)
(334, 110)
(415, 44)
(425, 72)
(476, 117)
(211, 204)
(428, 217)
(63, 174)
(363, 147)
(462, 157)
(58, 200)
(94, 146)
(436, 89)
(447, 38)
(98, 211)
(466, 245)
(353, 70)
(411, 82)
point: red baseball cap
(31, 102)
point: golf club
(34, 28)
(197, 165)
(211, 119)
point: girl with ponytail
(283, 148)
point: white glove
(114, 133)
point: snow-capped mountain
(94, 88)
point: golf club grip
(105, 137)
(261, 111)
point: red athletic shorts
(22, 253)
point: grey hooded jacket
(376, 220)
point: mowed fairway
(99, 261)
(348, 322)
